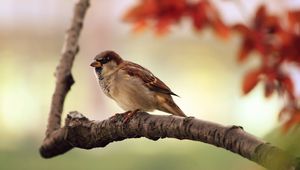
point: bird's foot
(129, 114)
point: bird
(133, 87)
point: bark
(82, 133)
(64, 78)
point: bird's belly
(131, 95)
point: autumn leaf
(198, 15)
(214, 20)
(250, 80)
(288, 85)
(260, 17)
(245, 49)
(269, 88)
(140, 26)
(243, 29)
(290, 49)
(141, 11)
(161, 14)
(220, 28)
(294, 18)
(162, 26)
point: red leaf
(245, 49)
(250, 80)
(140, 26)
(220, 28)
(242, 29)
(288, 85)
(163, 25)
(141, 11)
(294, 18)
(260, 17)
(269, 88)
(198, 15)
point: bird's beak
(96, 64)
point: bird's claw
(129, 114)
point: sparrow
(133, 87)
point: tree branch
(83, 133)
(64, 78)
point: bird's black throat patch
(98, 70)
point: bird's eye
(105, 60)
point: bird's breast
(105, 84)
(131, 94)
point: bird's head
(106, 63)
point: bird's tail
(171, 107)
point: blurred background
(199, 67)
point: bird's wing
(152, 82)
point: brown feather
(152, 82)
(167, 104)
(109, 55)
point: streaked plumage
(132, 86)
